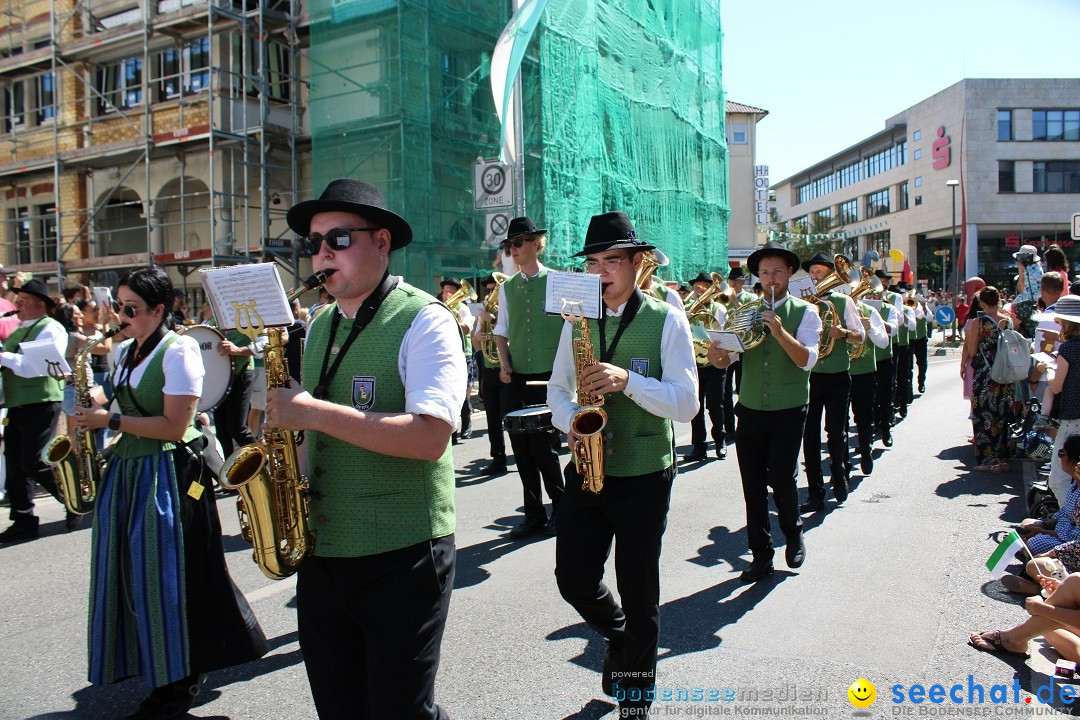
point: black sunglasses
(131, 311)
(516, 242)
(337, 239)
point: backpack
(1013, 360)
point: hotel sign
(761, 195)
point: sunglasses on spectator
(516, 242)
(337, 239)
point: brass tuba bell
(840, 275)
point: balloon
(897, 255)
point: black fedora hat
(736, 273)
(38, 290)
(351, 196)
(701, 277)
(882, 274)
(903, 285)
(818, 259)
(771, 249)
(522, 226)
(611, 231)
(451, 281)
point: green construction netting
(622, 110)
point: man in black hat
(733, 381)
(645, 372)
(449, 288)
(711, 380)
(490, 387)
(33, 404)
(383, 383)
(772, 409)
(892, 313)
(830, 385)
(527, 338)
(902, 393)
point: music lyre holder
(252, 323)
(572, 316)
(55, 372)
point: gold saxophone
(273, 502)
(589, 420)
(490, 348)
(76, 462)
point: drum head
(218, 367)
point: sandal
(992, 638)
(1017, 584)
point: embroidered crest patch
(640, 366)
(363, 391)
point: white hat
(1026, 250)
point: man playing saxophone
(383, 384)
(645, 371)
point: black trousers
(828, 393)
(491, 394)
(371, 630)
(767, 444)
(732, 385)
(466, 407)
(918, 350)
(903, 393)
(230, 417)
(711, 388)
(883, 395)
(632, 511)
(535, 453)
(29, 430)
(863, 393)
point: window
(186, 70)
(879, 162)
(877, 203)
(918, 181)
(902, 195)
(918, 153)
(46, 220)
(1060, 176)
(1004, 120)
(917, 135)
(14, 105)
(20, 229)
(849, 212)
(824, 217)
(918, 199)
(1055, 125)
(120, 84)
(46, 96)
(738, 133)
(1006, 176)
(245, 67)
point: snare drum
(218, 368)
(528, 420)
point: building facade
(748, 182)
(1013, 148)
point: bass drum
(218, 376)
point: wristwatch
(114, 422)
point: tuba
(701, 319)
(465, 292)
(489, 349)
(589, 420)
(829, 318)
(76, 462)
(867, 283)
(273, 502)
(746, 322)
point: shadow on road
(469, 567)
(986, 483)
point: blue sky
(831, 72)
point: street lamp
(956, 281)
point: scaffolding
(161, 131)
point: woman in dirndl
(162, 604)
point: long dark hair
(1056, 260)
(65, 315)
(152, 284)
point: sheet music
(578, 287)
(727, 340)
(44, 359)
(102, 296)
(802, 287)
(876, 304)
(251, 293)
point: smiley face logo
(862, 693)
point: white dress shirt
(52, 331)
(502, 323)
(879, 334)
(909, 316)
(808, 333)
(182, 365)
(852, 318)
(674, 395)
(672, 298)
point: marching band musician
(733, 383)
(461, 311)
(902, 394)
(383, 383)
(490, 387)
(920, 343)
(659, 288)
(772, 409)
(864, 381)
(711, 383)
(162, 603)
(645, 371)
(527, 338)
(886, 365)
(830, 385)
(33, 407)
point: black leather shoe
(922, 389)
(840, 490)
(170, 701)
(454, 439)
(759, 568)
(721, 452)
(866, 460)
(72, 521)
(812, 505)
(886, 439)
(496, 467)
(21, 529)
(903, 413)
(795, 552)
(698, 454)
(465, 434)
(551, 525)
(613, 663)
(526, 528)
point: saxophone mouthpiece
(318, 278)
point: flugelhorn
(702, 320)
(488, 347)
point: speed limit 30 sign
(493, 186)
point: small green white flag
(1003, 555)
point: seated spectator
(1056, 619)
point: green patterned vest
(920, 327)
(364, 502)
(19, 391)
(770, 380)
(837, 360)
(742, 298)
(533, 334)
(636, 442)
(903, 335)
(149, 395)
(240, 363)
(886, 352)
(867, 362)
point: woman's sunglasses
(131, 311)
(337, 239)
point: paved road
(893, 582)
